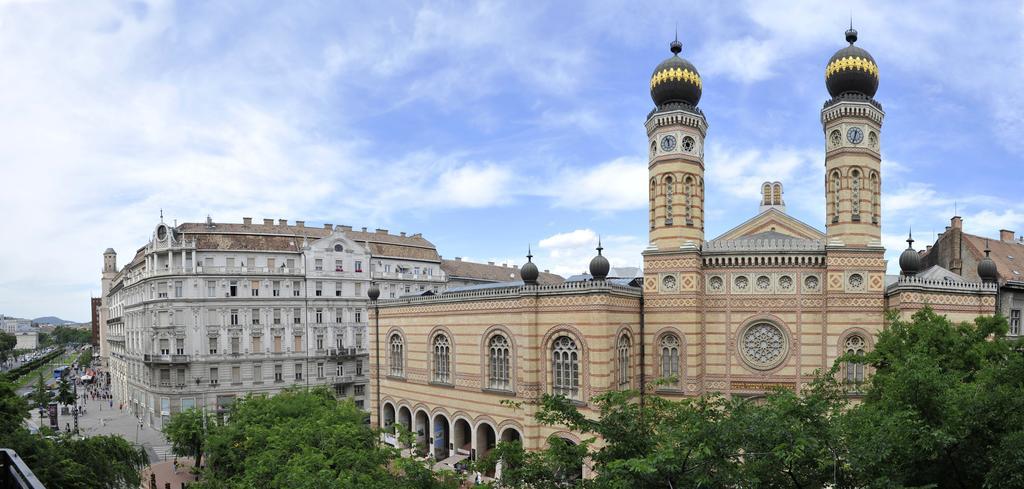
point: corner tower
(675, 132)
(852, 124)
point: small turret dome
(599, 265)
(529, 272)
(910, 260)
(987, 270)
(851, 69)
(675, 80)
(374, 291)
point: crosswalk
(162, 452)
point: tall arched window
(396, 360)
(668, 200)
(565, 366)
(442, 359)
(854, 371)
(654, 189)
(624, 366)
(855, 194)
(670, 356)
(875, 193)
(499, 363)
(688, 192)
(766, 194)
(835, 196)
(777, 193)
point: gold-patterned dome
(675, 80)
(851, 69)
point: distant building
(12, 325)
(462, 273)
(27, 340)
(95, 304)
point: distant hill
(53, 320)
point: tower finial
(675, 46)
(851, 33)
(599, 248)
(529, 253)
(161, 215)
(910, 237)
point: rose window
(835, 138)
(856, 281)
(786, 282)
(715, 283)
(811, 283)
(763, 282)
(688, 144)
(669, 282)
(742, 283)
(763, 345)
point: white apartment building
(12, 325)
(207, 312)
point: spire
(676, 46)
(851, 33)
(910, 238)
(161, 215)
(599, 248)
(529, 254)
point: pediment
(773, 223)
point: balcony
(408, 276)
(346, 353)
(15, 473)
(347, 379)
(209, 270)
(151, 359)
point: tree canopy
(944, 408)
(305, 439)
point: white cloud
(570, 240)
(614, 185)
(569, 253)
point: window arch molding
(393, 332)
(869, 345)
(452, 350)
(631, 364)
(655, 357)
(584, 360)
(485, 343)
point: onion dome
(599, 266)
(851, 69)
(675, 80)
(910, 260)
(987, 271)
(374, 291)
(529, 272)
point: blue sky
(485, 126)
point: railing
(346, 379)
(346, 352)
(150, 358)
(905, 281)
(208, 270)
(15, 473)
(517, 290)
(764, 245)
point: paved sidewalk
(165, 473)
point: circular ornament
(668, 143)
(763, 345)
(786, 282)
(715, 283)
(856, 280)
(668, 282)
(811, 283)
(688, 144)
(763, 283)
(855, 135)
(741, 283)
(835, 138)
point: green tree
(306, 439)
(7, 344)
(40, 394)
(187, 433)
(65, 392)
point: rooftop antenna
(161, 215)
(954, 209)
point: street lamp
(373, 294)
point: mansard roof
(457, 269)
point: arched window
(766, 194)
(835, 196)
(875, 193)
(623, 350)
(670, 357)
(397, 352)
(442, 359)
(654, 189)
(499, 363)
(338, 247)
(688, 191)
(565, 367)
(854, 371)
(855, 194)
(668, 200)
(777, 193)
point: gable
(775, 222)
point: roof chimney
(927, 248)
(282, 222)
(1005, 235)
(956, 222)
(547, 271)
(364, 229)
(247, 221)
(382, 231)
(402, 234)
(515, 266)
(490, 263)
(345, 228)
(268, 222)
(458, 258)
(328, 226)
(300, 224)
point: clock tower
(675, 131)
(852, 123)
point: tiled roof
(1008, 255)
(277, 237)
(457, 269)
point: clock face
(668, 143)
(855, 135)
